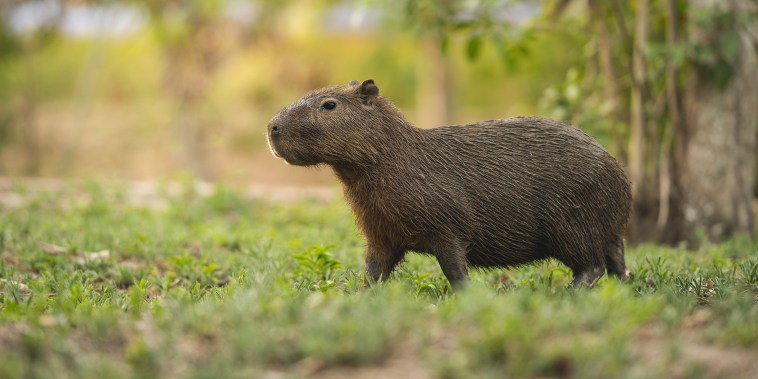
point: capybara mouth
(275, 145)
(272, 148)
(295, 161)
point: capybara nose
(273, 129)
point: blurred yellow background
(92, 89)
(167, 89)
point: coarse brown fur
(494, 193)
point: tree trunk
(187, 83)
(605, 60)
(191, 64)
(670, 158)
(29, 125)
(640, 206)
(434, 94)
(719, 158)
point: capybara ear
(353, 83)
(369, 92)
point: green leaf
(722, 74)
(730, 45)
(473, 47)
(463, 25)
(444, 44)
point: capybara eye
(329, 105)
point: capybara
(495, 193)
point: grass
(219, 285)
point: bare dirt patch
(404, 362)
(683, 353)
(152, 194)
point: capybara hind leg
(614, 260)
(587, 276)
(379, 263)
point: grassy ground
(221, 286)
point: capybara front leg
(379, 263)
(452, 260)
(587, 276)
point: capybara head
(334, 125)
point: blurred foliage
(718, 57)
(99, 99)
(102, 98)
(476, 21)
(9, 44)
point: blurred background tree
(692, 124)
(196, 39)
(719, 128)
(18, 118)
(435, 23)
(140, 89)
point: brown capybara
(490, 194)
